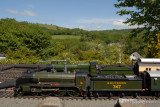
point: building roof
(154, 73)
(149, 64)
(150, 60)
(136, 54)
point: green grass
(52, 27)
(65, 37)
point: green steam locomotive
(84, 80)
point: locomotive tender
(85, 82)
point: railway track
(10, 94)
(6, 66)
(13, 71)
(6, 76)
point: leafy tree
(15, 34)
(146, 13)
(135, 44)
(90, 55)
(154, 48)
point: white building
(135, 56)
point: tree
(144, 13)
(154, 48)
(15, 34)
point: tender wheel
(121, 95)
(110, 94)
(157, 94)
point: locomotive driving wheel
(45, 94)
(59, 93)
(73, 93)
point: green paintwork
(155, 83)
(77, 66)
(83, 65)
(26, 88)
(116, 85)
(53, 77)
(117, 72)
(81, 79)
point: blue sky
(84, 14)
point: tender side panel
(116, 85)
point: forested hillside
(24, 42)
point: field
(52, 27)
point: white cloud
(120, 23)
(25, 12)
(102, 22)
(99, 27)
(90, 27)
(81, 27)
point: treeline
(24, 42)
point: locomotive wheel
(96, 95)
(35, 93)
(110, 94)
(121, 95)
(59, 93)
(135, 95)
(157, 94)
(45, 94)
(73, 93)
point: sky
(83, 14)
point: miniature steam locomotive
(85, 80)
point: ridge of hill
(52, 27)
(55, 27)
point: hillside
(52, 27)
(24, 42)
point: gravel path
(53, 102)
(56, 102)
(13, 102)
